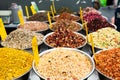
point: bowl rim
(34, 22)
(98, 52)
(44, 39)
(72, 49)
(81, 26)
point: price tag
(53, 7)
(49, 19)
(35, 50)
(20, 17)
(32, 9)
(86, 29)
(2, 30)
(52, 10)
(27, 13)
(81, 15)
(92, 43)
(96, 61)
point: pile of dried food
(72, 25)
(91, 16)
(95, 21)
(105, 38)
(90, 9)
(65, 38)
(66, 15)
(40, 16)
(34, 26)
(108, 63)
(64, 64)
(98, 23)
(64, 9)
(14, 63)
(21, 39)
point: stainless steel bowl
(91, 60)
(68, 19)
(34, 26)
(10, 65)
(80, 25)
(102, 75)
(98, 39)
(18, 46)
(41, 14)
(44, 39)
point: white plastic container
(5, 15)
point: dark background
(45, 5)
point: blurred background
(74, 5)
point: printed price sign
(2, 30)
(35, 50)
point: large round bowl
(15, 64)
(49, 34)
(70, 50)
(21, 39)
(35, 26)
(39, 16)
(107, 70)
(68, 24)
(105, 38)
(67, 16)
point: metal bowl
(80, 26)
(71, 15)
(91, 60)
(98, 47)
(35, 26)
(25, 74)
(17, 38)
(44, 39)
(37, 17)
(102, 75)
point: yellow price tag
(52, 10)
(27, 13)
(2, 30)
(86, 29)
(49, 19)
(91, 40)
(35, 50)
(96, 61)
(81, 15)
(32, 9)
(53, 7)
(20, 17)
